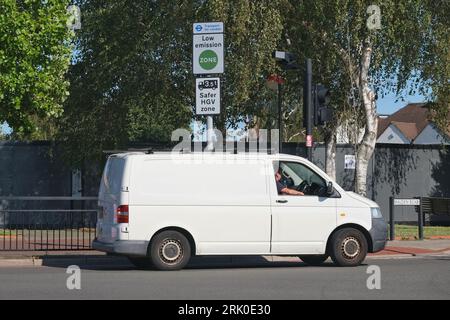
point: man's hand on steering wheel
(303, 187)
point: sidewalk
(394, 249)
(414, 248)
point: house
(411, 125)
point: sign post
(395, 202)
(208, 59)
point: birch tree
(364, 49)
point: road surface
(406, 278)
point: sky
(388, 104)
(5, 129)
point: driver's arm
(292, 192)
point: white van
(160, 209)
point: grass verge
(411, 232)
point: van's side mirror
(330, 188)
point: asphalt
(409, 270)
(419, 277)
(394, 249)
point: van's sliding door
(223, 203)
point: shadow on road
(103, 263)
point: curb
(58, 261)
(391, 256)
(20, 262)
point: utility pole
(286, 60)
(307, 108)
(209, 133)
(280, 130)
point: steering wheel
(303, 186)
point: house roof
(408, 129)
(410, 120)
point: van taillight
(122, 214)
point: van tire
(170, 250)
(314, 260)
(348, 247)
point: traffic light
(321, 99)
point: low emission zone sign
(207, 48)
(207, 96)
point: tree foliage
(131, 77)
(34, 57)
(359, 62)
(412, 44)
(133, 80)
(252, 32)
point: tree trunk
(330, 156)
(367, 145)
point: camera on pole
(321, 100)
(286, 60)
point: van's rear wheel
(170, 250)
(314, 260)
(348, 247)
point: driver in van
(283, 189)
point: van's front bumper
(378, 234)
(124, 247)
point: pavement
(414, 248)
(394, 249)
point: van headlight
(376, 213)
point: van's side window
(299, 177)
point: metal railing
(47, 223)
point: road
(406, 278)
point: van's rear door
(112, 194)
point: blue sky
(5, 129)
(388, 105)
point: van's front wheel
(170, 250)
(348, 247)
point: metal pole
(209, 133)
(307, 97)
(391, 219)
(280, 146)
(420, 220)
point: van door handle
(282, 201)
